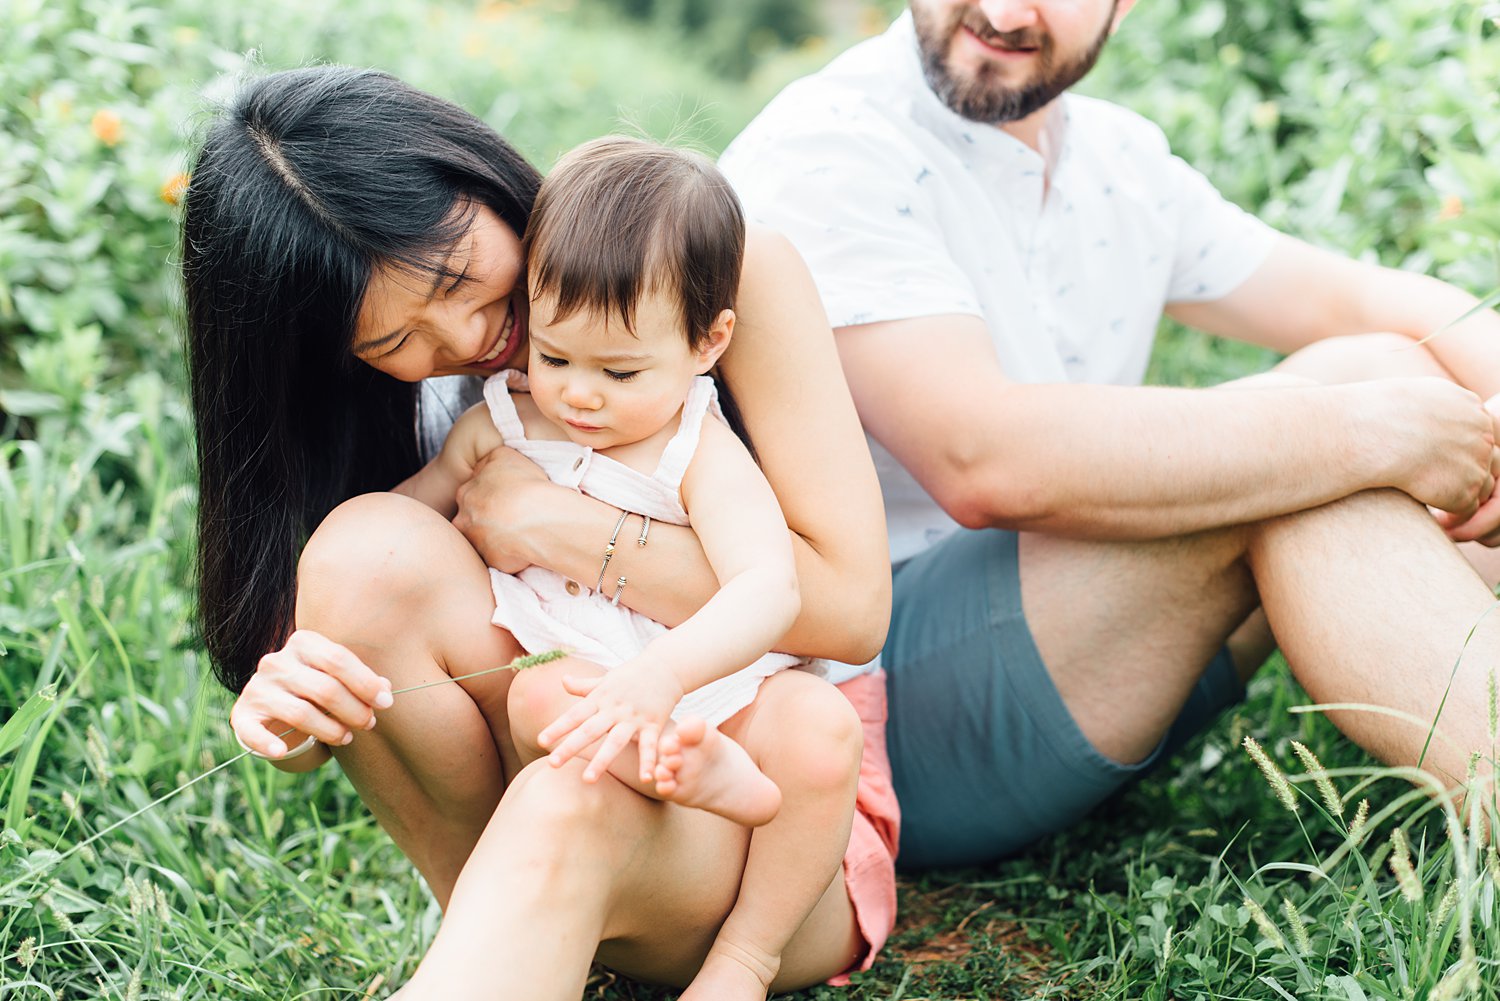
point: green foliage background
(1368, 128)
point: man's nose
(1009, 15)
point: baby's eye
(550, 361)
(621, 376)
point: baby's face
(604, 385)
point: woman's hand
(632, 702)
(313, 686)
(495, 508)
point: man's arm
(1148, 462)
(1302, 294)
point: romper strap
(702, 398)
(502, 408)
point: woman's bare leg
(397, 584)
(566, 865)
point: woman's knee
(375, 551)
(569, 814)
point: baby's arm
(436, 484)
(735, 514)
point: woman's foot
(700, 767)
(731, 976)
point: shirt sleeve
(854, 205)
(1219, 244)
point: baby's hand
(634, 701)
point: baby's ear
(713, 345)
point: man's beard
(982, 97)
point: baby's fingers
(580, 686)
(566, 723)
(645, 743)
(619, 738)
(585, 734)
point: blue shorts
(985, 756)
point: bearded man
(1086, 570)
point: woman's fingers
(309, 719)
(339, 662)
(263, 736)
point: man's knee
(1361, 357)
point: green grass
(257, 884)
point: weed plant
(1371, 129)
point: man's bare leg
(1369, 601)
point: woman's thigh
(399, 586)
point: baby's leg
(725, 780)
(807, 738)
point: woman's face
(411, 326)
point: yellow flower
(173, 187)
(107, 127)
(1453, 207)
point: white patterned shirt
(903, 208)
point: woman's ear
(718, 338)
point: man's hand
(1441, 441)
(493, 508)
(634, 701)
(1483, 526)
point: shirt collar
(988, 140)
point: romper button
(572, 586)
(577, 462)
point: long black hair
(305, 183)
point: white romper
(546, 611)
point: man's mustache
(1022, 38)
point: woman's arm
(784, 373)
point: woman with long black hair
(347, 237)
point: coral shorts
(870, 861)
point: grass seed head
(1445, 906)
(1406, 875)
(1298, 926)
(1279, 785)
(1494, 707)
(1331, 798)
(1263, 921)
(1357, 825)
(26, 952)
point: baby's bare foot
(702, 768)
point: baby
(633, 257)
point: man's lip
(999, 50)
